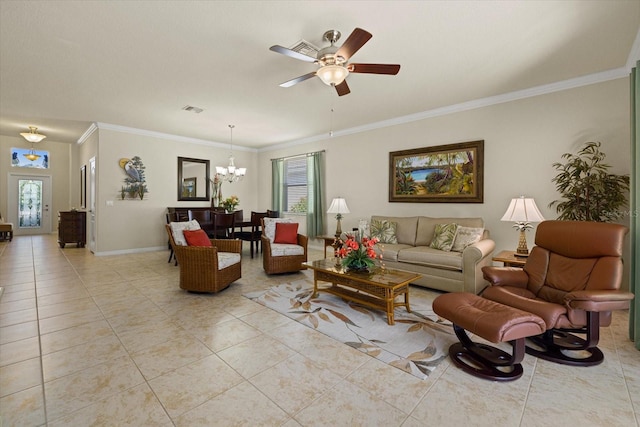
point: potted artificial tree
(589, 192)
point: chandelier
(32, 136)
(230, 173)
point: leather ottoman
(494, 322)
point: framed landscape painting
(450, 173)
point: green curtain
(315, 195)
(277, 182)
(634, 313)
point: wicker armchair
(199, 265)
(282, 263)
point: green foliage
(589, 192)
(405, 184)
(300, 206)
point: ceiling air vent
(305, 48)
(192, 109)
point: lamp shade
(338, 206)
(522, 209)
(33, 135)
(332, 74)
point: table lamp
(523, 211)
(338, 207)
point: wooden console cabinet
(72, 228)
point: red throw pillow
(196, 238)
(286, 232)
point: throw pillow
(286, 232)
(384, 230)
(270, 226)
(178, 227)
(466, 236)
(196, 238)
(444, 236)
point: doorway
(92, 205)
(29, 204)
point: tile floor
(88, 340)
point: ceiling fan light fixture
(33, 135)
(332, 75)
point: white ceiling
(66, 64)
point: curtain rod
(299, 155)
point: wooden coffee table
(377, 289)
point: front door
(29, 204)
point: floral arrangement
(230, 203)
(357, 255)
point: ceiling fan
(333, 61)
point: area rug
(417, 342)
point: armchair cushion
(227, 259)
(284, 249)
(286, 233)
(177, 229)
(196, 238)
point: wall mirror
(193, 179)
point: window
(30, 201)
(295, 184)
(36, 158)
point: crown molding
(92, 128)
(587, 80)
(175, 138)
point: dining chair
(253, 235)
(224, 225)
(204, 219)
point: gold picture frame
(450, 173)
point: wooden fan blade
(354, 42)
(292, 53)
(343, 88)
(298, 79)
(374, 68)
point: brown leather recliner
(571, 280)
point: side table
(509, 259)
(328, 242)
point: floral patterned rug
(417, 342)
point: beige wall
(522, 140)
(139, 224)
(59, 170)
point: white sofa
(449, 271)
